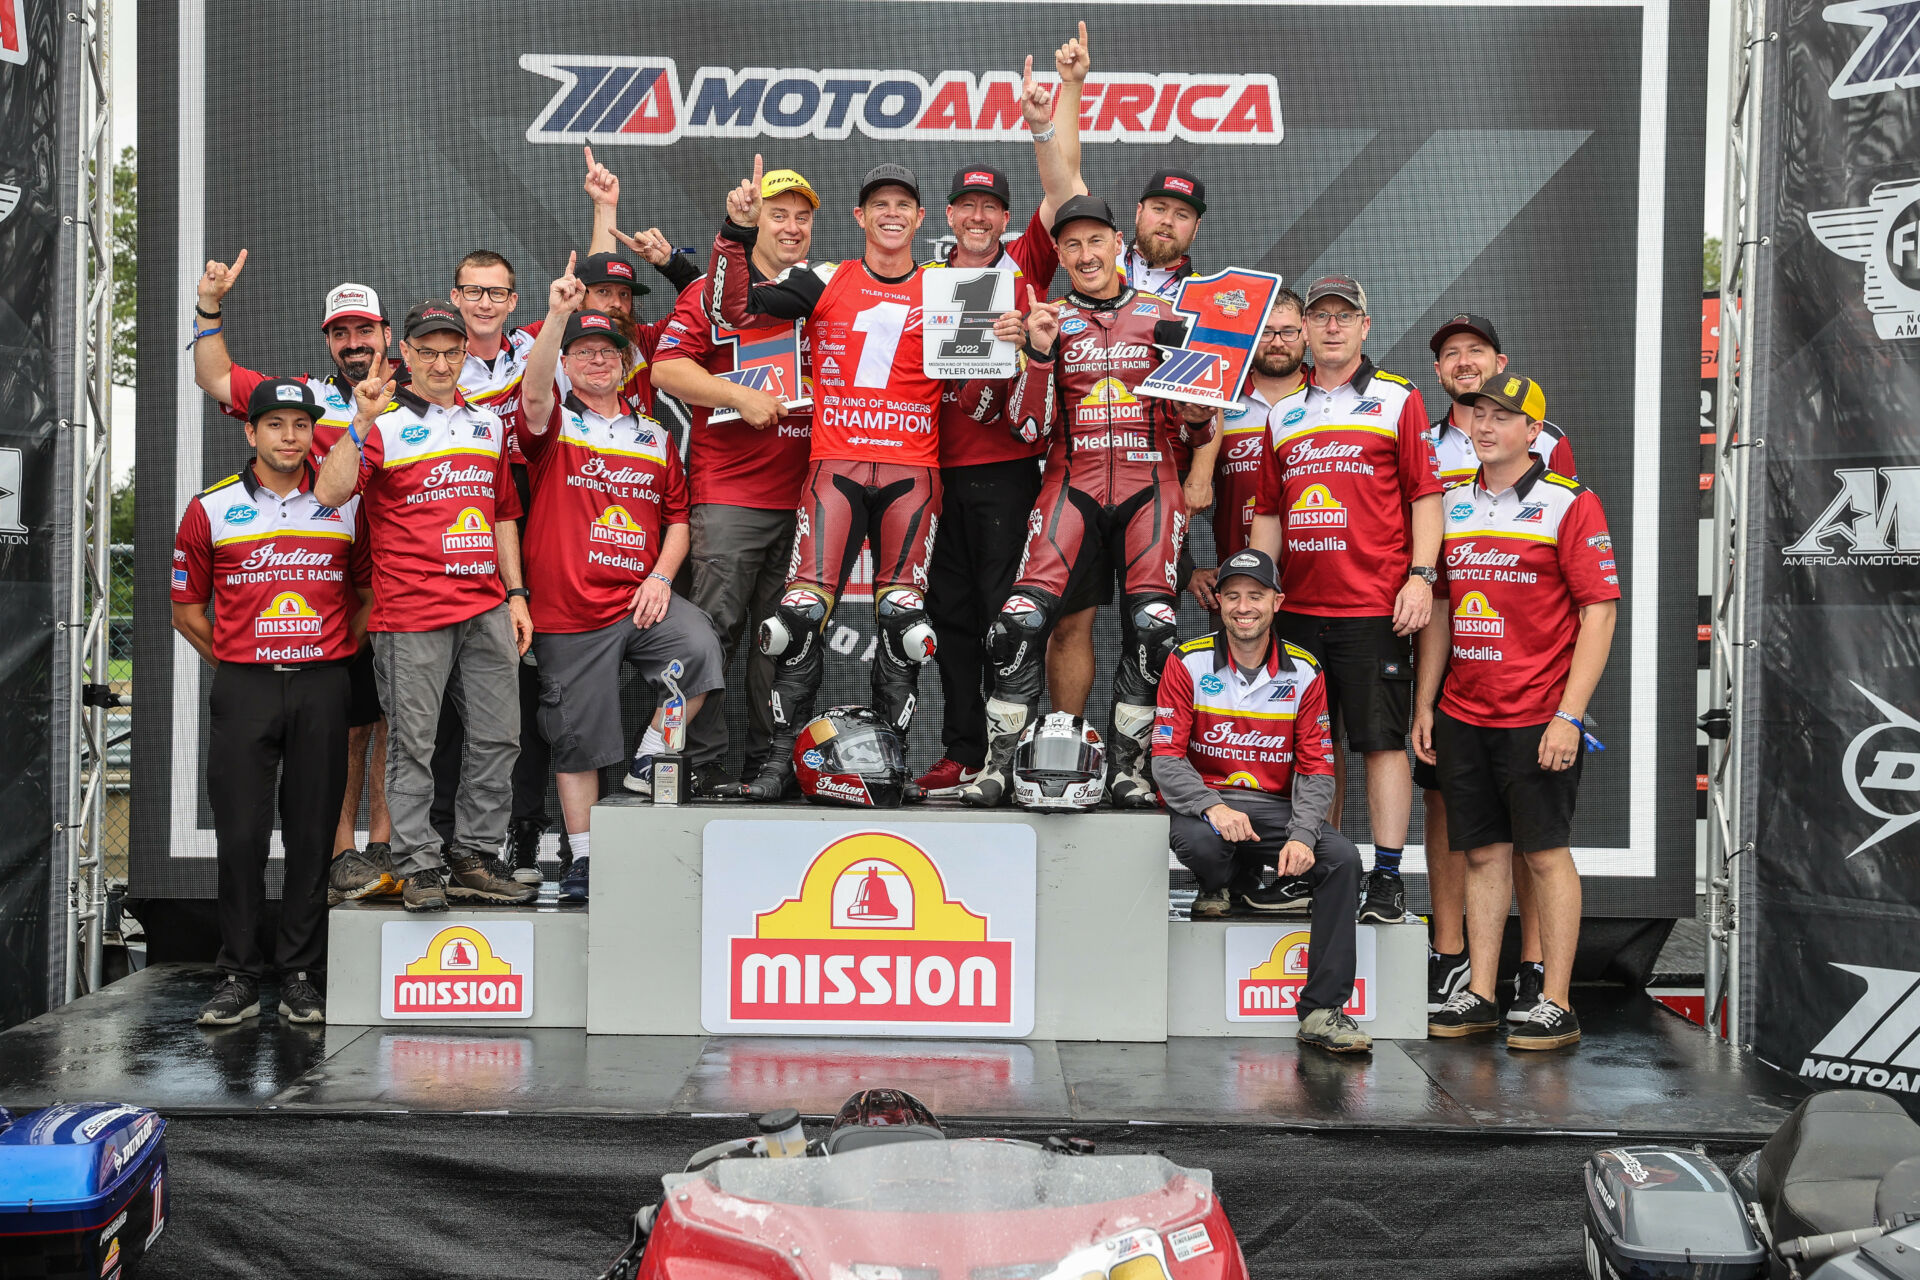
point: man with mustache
(356, 331)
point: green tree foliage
(126, 286)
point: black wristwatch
(522, 592)
(1426, 574)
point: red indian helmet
(850, 756)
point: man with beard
(1466, 355)
(745, 476)
(989, 478)
(1111, 496)
(284, 626)
(875, 448)
(1276, 373)
(356, 330)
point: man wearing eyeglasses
(448, 602)
(1349, 504)
(1275, 374)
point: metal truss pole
(1740, 242)
(91, 501)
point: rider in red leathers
(1111, 485)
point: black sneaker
(1464, 1015)
(1386, 900)
(472, 877)
(300, 999)
(709, 780)
(523, 848)
(1447, 977)
(1528, 991)
(1287, 897)
(234, 1000)
(1547, 1027)
(1210, 904)
(425, 891)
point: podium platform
(930, 923)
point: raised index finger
(590, 164)
(573, 256)
(238, 263)
(1083, 35)
(758, 166)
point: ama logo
(1317, 508)
(287, 614)
(460, 974)
(469, 532)
(871, 936)
(1272, 988)
(638, 99)
(1473, 616)
(615, 527)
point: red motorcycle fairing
(972, 1209)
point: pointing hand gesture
(601, 186)
(565, 295)
(743, 202)
(1036, 100)
(650, 244)
(217, 279)
(1073, 59)
(1043, 322)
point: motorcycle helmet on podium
(850, 756)
(1060, 764)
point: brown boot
(471, 878)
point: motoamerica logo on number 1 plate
(909, 929)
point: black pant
(983, 529)
(1334, 878)
(293, 723)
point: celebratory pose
(1111, 495)
(875, 454)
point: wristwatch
(1426, 573)
(522, 592)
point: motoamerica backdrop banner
(31, 167)
(1831, 918)
(1555, 190)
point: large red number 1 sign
(1227, 309)
(766, 358)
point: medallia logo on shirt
(242, 514)
(414, 434)
(1293, 417)
(1211, 684)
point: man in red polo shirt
(1532, 589)
(286, 576)
(607, 533)
(447, 598)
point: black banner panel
(1561, 202)
(1831, 927)
(30, 239)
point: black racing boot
(1006, 721)
(523, 849)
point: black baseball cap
(282, 393)
(1082, 207)
(1514, 391)
(1465, 322)
(1337, 286)
(610, 268)
(1180, 185)
(983, 178)
(888, 175)
(592, 324)
(1257, 565)
(433, 317)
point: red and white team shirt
(637, 388)
(605, 491)
(1517, 567)
(872, 398)
(965, 442)
(1239, 732)
(283, 573)
(333, 393)
(732, 463)
(1458, 463)
(1236, 473)
(495, 384)
(1342, 465)
(434, 484)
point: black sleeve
(680, 272)
(791, 298)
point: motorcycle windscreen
(973, 1207)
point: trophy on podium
(670, 766)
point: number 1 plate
(959, 306)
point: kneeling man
(1243, 709)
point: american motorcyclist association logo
(1872, 520)
(1867, 1046)
(1889, 54)
(1884, 234)
(1881, 770)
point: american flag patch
(180, 579)
(1163, 733)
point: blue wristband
(354, 435)
(1593, 743)
(663, 577)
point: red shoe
(946, 778)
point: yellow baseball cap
(772, 184)
(1512, 391)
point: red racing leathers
(1111, 484)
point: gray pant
(739, 557)
(414, 669)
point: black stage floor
(1642, 1071)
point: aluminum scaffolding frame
(84, 624)
(1740, 246)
